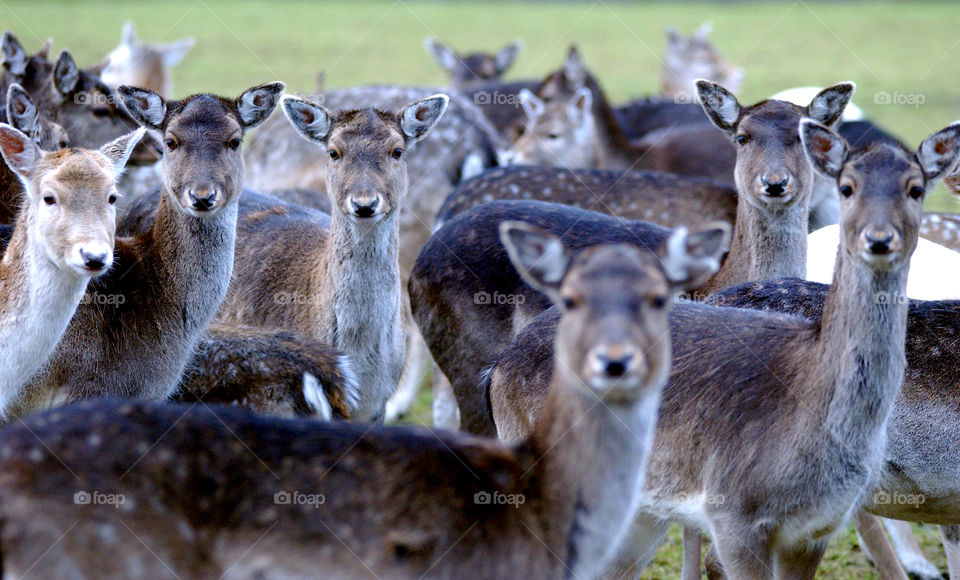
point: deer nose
(94, 259)
(879, 241)
(203, 200)
(614, 362)
(364, 209)
(774, 186)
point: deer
(689, 59)
(837, 377)
(461, 266)
(29, 71)
(62, 238)
(136, 335)
(469, 71)
(144, 65)
(547, 514)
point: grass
(900, 48)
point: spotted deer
(689, 59)
(138, 332)
(836, 378)
(62, 238)
(462, 261)
(294, 486)
(468, 71)
(139, 64)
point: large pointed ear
(581, 102)
(938, 154)
(531, 103)
(419, 117)
(689, 259)
(539, 257)
(309, 119)
(673, 35)
(256, 103)
(443, 54)
(19, 151)
(146, 107)
(719, 104)
(128, 36)
(507, 55)
(21, 112)
(573, 68)
(44, 52)
(14, 57)
(827, 107)
(65, 73)
(825, 150)
(118, 151)
(174, 52)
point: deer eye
(49, 199)
(553, 136)
(112, 198)
(916, 192)
(658, 302)
(570, 302)
(742, 139)
(846, 190)
(334, 154)
(234, 143)
(171, 144)
(397, 153)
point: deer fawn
(737, 372)
(143, 65)
(167, 283)
(296, 505)
(62, 238)
(469, 71)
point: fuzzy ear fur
(118, 151)
(825, 150)
(309, 119)
(65, 74)
(18, 150)
(443, 54)
(540, 257)
(257, 103)
(719, 104)
(507, 55)
(531, 103)
(146, 107)
(419, 117)
(938, 154)
(690, 258)
(827, 107)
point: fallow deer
(137, 334)
(772, 490)
(62, 238)
(469, 71)
(689, 59)
(282, 497)
(139, 64)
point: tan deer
(62, 238)
(269, 497)
(688, 59)
(139, 64)
(469, 71)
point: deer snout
(93, 257)
(203, 198)
(364, 206)
(775, 184)
(612, 362)
(881, 241)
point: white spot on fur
(316, 398)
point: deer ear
(582, 101)
(174, 52)
(21, 112)
(18, 150)
(704, 31)
(573, 67)
(719, 104)
(539, 257)
(44, 52)
(65, 73)
(118, 151)
(309, 119)
(690, 258)
(939, 152)
(419, 117)
(441, 53)
(825, 150)
(128, 36)
(508, 55)
(146, 107)
(257, 103)
(827, 107)
(531, 103)
(14, 57)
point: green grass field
(903, 49)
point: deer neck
(861, 351)
(360, 286)
(766, 245)
(37, 301)
(591, 456)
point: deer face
(560, 133)
(365, 152)
(70, 198)
(881, 190)
(202, 162)
(771, 172)
(471, 70)
(687, 59)
(613, 338)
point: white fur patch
(316, 398)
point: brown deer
(469, 71)
(62, 238)
(139, 64)
(282, 497)
(462, 265)
(689, 59)
(137, 334)
(772, 490)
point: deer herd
(204, 326)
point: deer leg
(801, 563)
(743, 553)
(951, 545)
(692, 542)
(877, 547)
(711, 562)
(414, 371)
(908, 551)
(638, 547)
(446, 413)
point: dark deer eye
(171, 144)
(112, 199)
(234, 143)
(658, 302)
(846, 190)
(553, 136)
(742, 139)
(569, 303)
(397, 153)
(334, 154)
(49, 200)
(916, 192)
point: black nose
(364, 210)
(93, 261)
(879, 242)
(774, 188)
(616, 368)
(203, 202)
